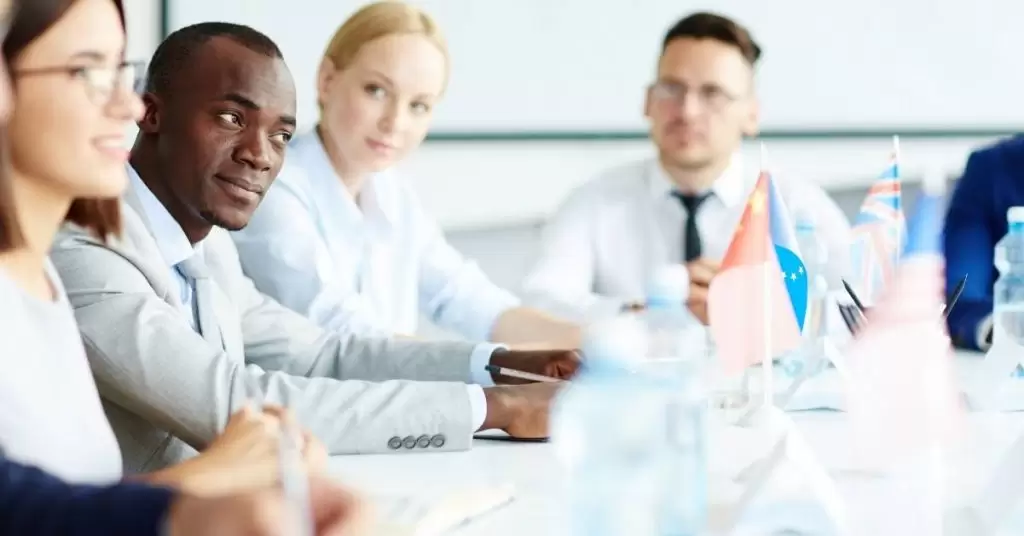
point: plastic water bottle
(1008, 310)
(673, 333)
(632, 442)
(814, 254)
(678, 348)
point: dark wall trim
(620, 135)
(165, 18)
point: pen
(956, 295)
(846, 311)
(856, 300)
(294, 482)
(512, 373)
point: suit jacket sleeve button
(409, 442)
(423, 441)
(437, 441)
(395, 443)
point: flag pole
(899, 228)
(768, 387)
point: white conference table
(537, 476)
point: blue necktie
(195, 270)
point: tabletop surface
(787, 502)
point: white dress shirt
(603, 244)
(371, 264)
(175, 247)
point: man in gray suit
(178, 338)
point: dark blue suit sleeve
(34, 503)
(969, 244)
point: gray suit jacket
(167, 391)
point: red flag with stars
(749, 311)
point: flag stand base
(996, 387)
(788, 445)
(997, 499)
(828, 353)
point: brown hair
(706, 25)
(377, 20)
(10, 230)
(31, 19)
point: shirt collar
(375, 209)
(170, 238)
(730, 187)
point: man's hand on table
(519, 407)
(560, 364)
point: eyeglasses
(101, 82)
(710, 96)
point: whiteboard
(582, 65)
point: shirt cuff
(477, 405)
(480, 358)
(981, 337)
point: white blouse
(50, 410)
(367, 265)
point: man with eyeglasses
(606, 240)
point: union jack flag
(877, 233)
(903, 402)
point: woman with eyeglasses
(74, 98)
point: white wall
(473, 185)
(583, 64)
(143, 21)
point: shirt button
(395, 443)
(409, 442)
(423, 441)
(437, 441)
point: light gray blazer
(167, 391)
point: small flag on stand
(794, 273)
(902, 361)
(903, 404)
(750, 313)
(878, 231)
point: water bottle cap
(669, 284)
(1015, 215)
(620, 339)
(804, 221)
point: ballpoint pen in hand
(294, 480)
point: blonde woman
(341, 237)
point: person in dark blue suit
(993, 181)
(35, 503)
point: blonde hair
(381, 19)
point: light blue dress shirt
(175, 247)
(170, 239)
(372, 264)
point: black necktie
(691, 238)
